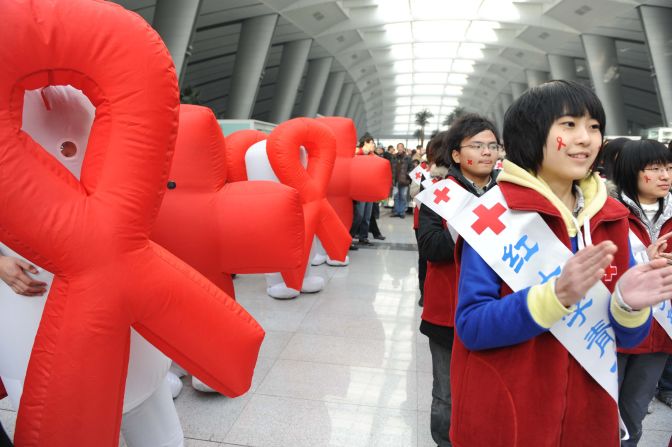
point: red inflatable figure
(94, 234)
(221, 228)
(282, 151)
(362, 179)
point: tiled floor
(344, 367)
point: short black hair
(633, 157)
(608, 155)
(434, 144)
(364, 139)
(530, 117)
(465, 126)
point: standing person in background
(375, 211)
(642, 175)
(362, 216)
(401, 167)
(389, 156)
(472, 138)
(415, 190)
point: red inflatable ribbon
(220, 228)
(283, 150)
(94, 235)
(363, 178)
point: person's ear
(455, 154)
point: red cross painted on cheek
(489, 218)
(441, 195)
(647, 179)
(470, 162)
(561, 144)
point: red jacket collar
(525, 199)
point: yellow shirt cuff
(544, 306)
(631, 319)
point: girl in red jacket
(643, 177)
(513, 383)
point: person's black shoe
(365, 242)
(353, 247)
(380, 237)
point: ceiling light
(435, 49)
(583, 10)
(440, 30)
(453, 90)
(428, 90)
(481, 31)
(503, 10)
(403, 79)
(404, 90)
(402, 51)
(457, 79)
(433, 65)
(462, 66)
(431, 9)
(430, 78)
(403, 66)
(470, 50)
(426, 101)
(399, 32)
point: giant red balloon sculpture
(362, 178)
(283, 152)
(94, 234)
(219, 227)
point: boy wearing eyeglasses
(466, 153)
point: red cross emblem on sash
(489, 218)
(610, 272)
(418, 175)
(441, 195)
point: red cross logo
(489, 218)
(610, 272)
(441, 195)
(470, 162)
(418, 175)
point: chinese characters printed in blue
(516, 261)
(578, 313)
(546, 278)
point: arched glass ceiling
(434, 45)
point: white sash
(662, 312)
(419, 174)
(521, 248)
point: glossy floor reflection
(344, 367)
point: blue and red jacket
(513, 383)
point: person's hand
(657, 249)
(646, 284)
(13, 272)
(582, 271)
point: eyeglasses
(659, 170)
(481, 146)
